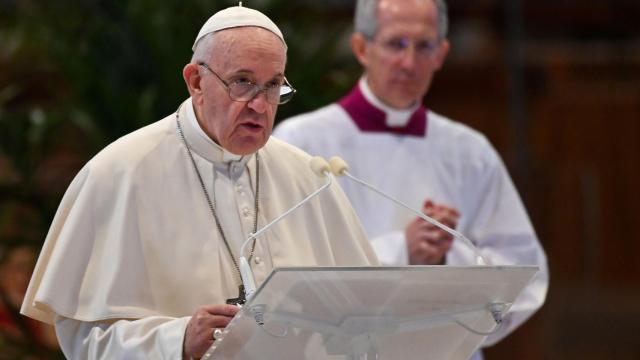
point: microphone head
(319, 166)
(338, 166)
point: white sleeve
(502, 231)
(391, 248)
(155, 337)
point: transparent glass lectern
(417, 312)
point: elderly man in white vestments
(432, 163)
(141, 256)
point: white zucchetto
(237, 16)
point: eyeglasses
(244, 90)
(398, 45)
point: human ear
(192, 78)
(443, 51)
(359, 46)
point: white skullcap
(237, 16)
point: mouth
(252, 126)
(404, 80)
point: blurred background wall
(555, 85)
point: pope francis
(142, 253)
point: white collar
(219, 153)
(394, 117)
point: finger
(428, 203)
(418, 242)
(447, 208)
(221, 322)
(441, 243)
(435, 236)
(446, 217)
(428, 252)
(447, 211)
(203, 318)
(423, 225)
(448, 222)
(221, 309)
(211, 321)
(428, 227)
(435, 250)
(429, 211)
(424, 233)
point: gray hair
(203, 50)
(206, 46)
(366, 21)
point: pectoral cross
(240, 300)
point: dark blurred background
(555, 85)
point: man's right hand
(427, 244)
(198, 336)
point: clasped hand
(427, 244)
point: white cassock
(134, 250)
(434, 158)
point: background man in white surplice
(430, 162)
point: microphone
(321, 168)
(340, 168)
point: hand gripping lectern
(416, 312)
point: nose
(408, 57)
(259, 102)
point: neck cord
(212, 203)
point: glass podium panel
(416, 312)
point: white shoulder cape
(134, 237)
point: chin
(247, 147)
(405, 102)
(404, 97)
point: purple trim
(368, 118)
